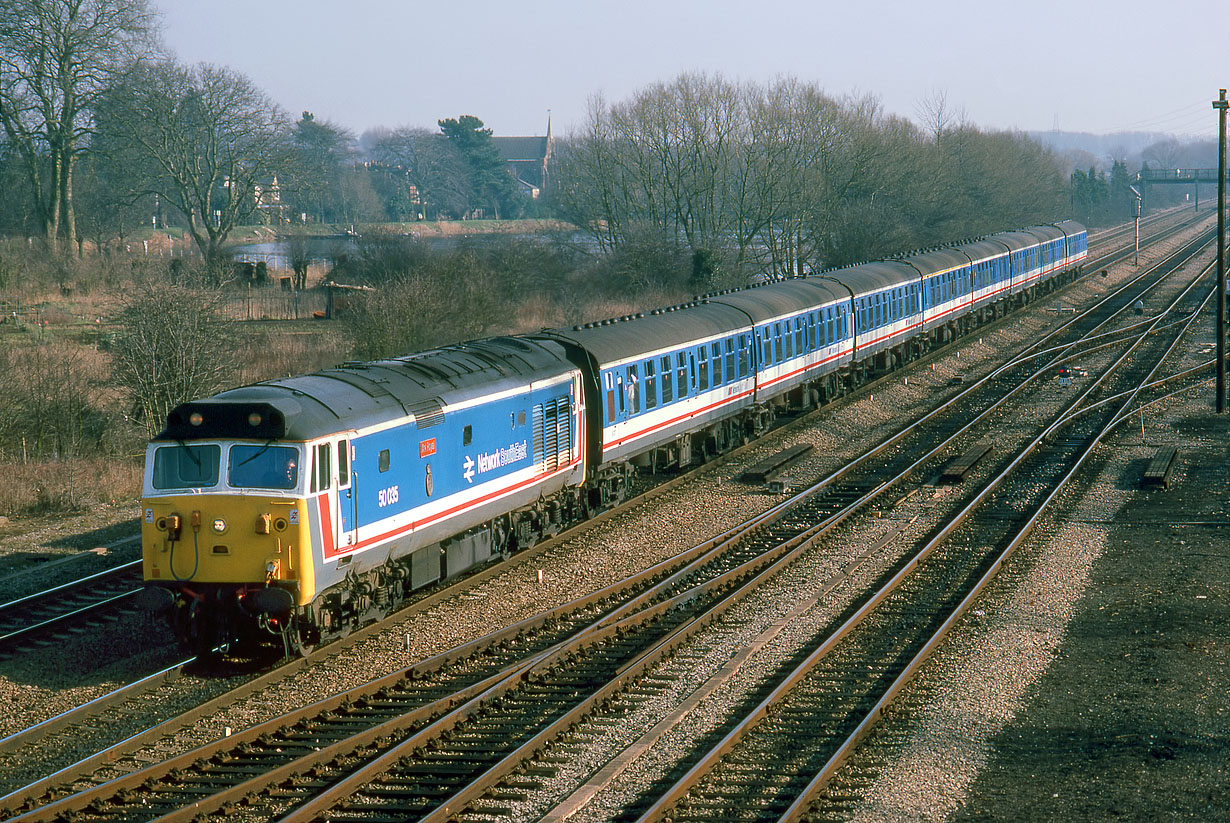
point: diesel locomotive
(294, 511)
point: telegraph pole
(1221, 105)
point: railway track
(603, 653)
(35, 621)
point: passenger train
(296, 510)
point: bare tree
(56, 58)
(432, 164)
(174, 346)
(938, 117)
(785, 179)
(204, 139)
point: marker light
(219, 525)
(254, 419)
(196, 418)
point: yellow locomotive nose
(221, 539)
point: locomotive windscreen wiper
(189, 451)
(259, 452)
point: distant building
(529, 160)
(269, 200)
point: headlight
(219, 525)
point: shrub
(55, 400)
(67, 485)
(173, 345)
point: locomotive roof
(356, 395)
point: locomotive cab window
(263, 467)
(343, 464)
(321, 477)
(186, 467)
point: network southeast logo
(494, 460)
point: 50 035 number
(387, 496)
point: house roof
(521, 148)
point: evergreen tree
(493, 186)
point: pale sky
(1098, 66)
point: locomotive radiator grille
(553, 434)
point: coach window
(768, 346)
(681, 362)
(716, 351)
(619, 391)
(651, 385)
(668, 391)
(744, 351)
(777, 342)
(634, 400)
(730, 358)
(702, 368)
(610, 396)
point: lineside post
(1221, 105)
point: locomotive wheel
(300, 639)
